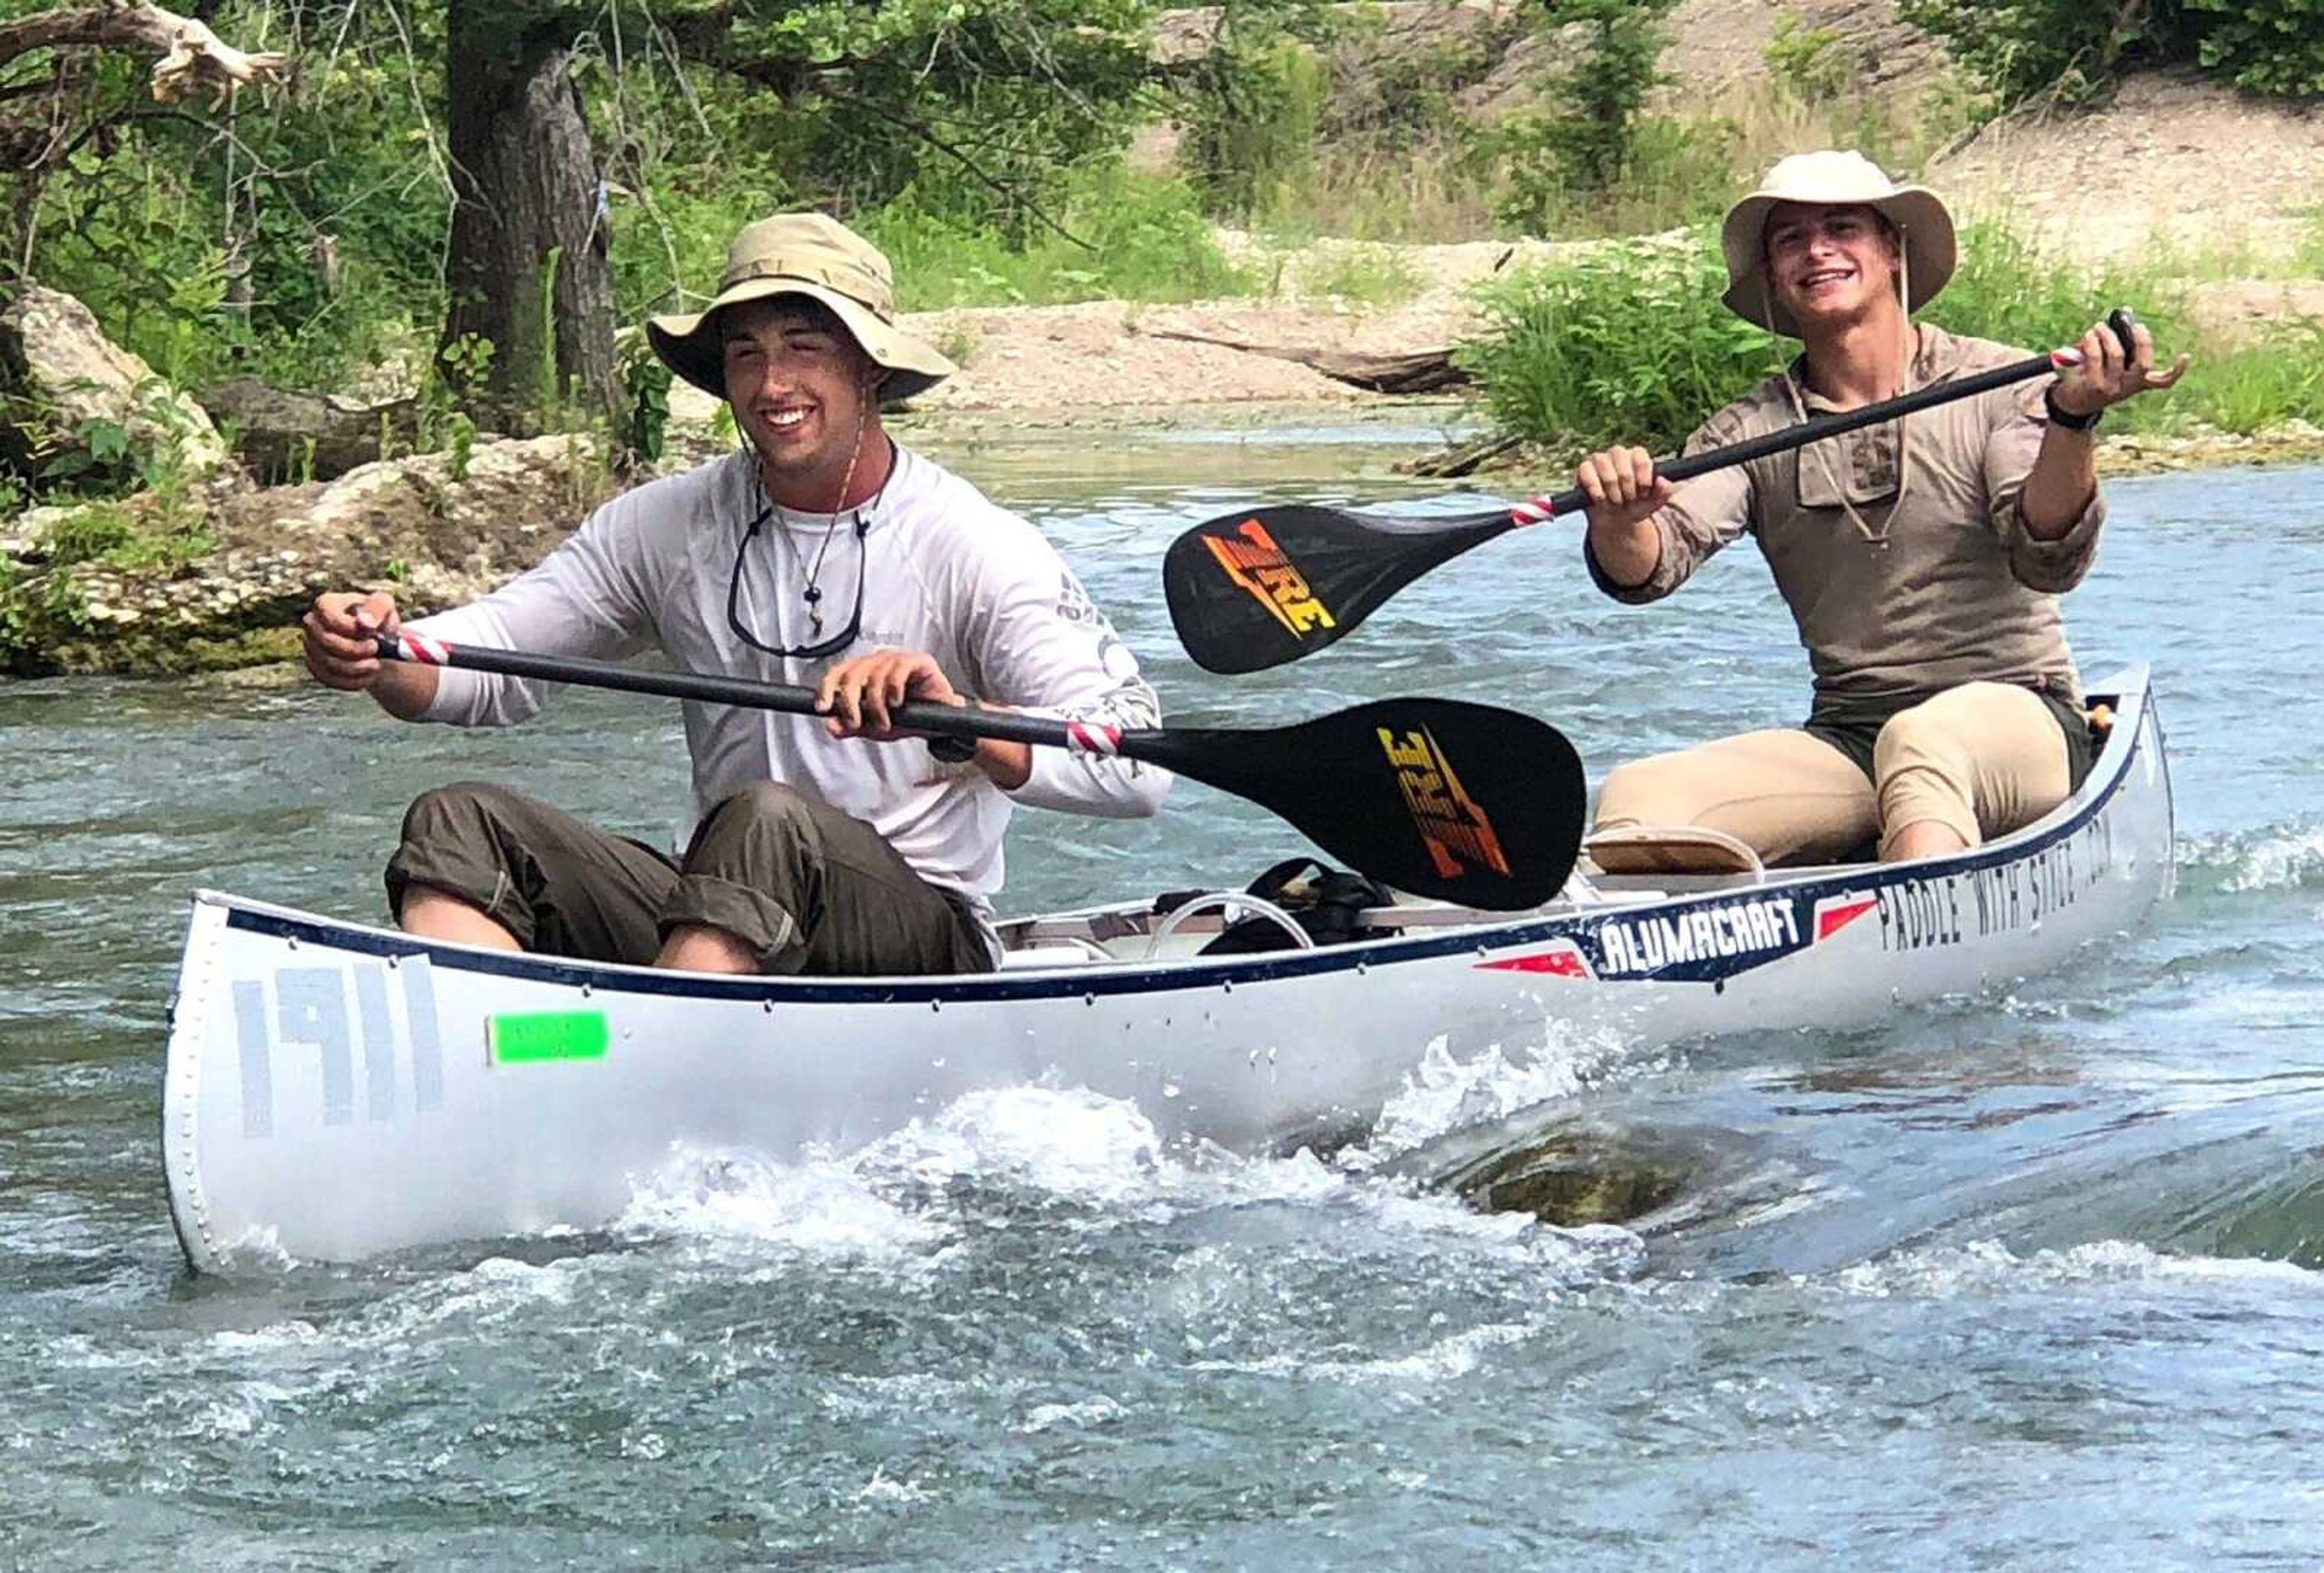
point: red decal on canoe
(1565, 961)
(1838, 913)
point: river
(2028, 1280)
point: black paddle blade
(1256, 589)
(1455, 802)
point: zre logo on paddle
(1451, 823)
(1260, 566)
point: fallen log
(1419, 371)
(1453, 463)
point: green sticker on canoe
(534, 1036)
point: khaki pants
(809, 890)
(1982, 760)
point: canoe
(335, 1091)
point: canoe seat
(1672, 850)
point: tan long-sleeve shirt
(1923, 589)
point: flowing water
(2030, 1279)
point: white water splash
(864, 1398)
(1088, 1411)
(1987, 1267)
(1452, 1356)
(819, 1208)
(1068, 1145)
(882, 1490)
(2277, 859)
(257, 1250)
(1442, 1094)
(897, 1204)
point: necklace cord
(813, 592)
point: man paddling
(823, 553)
(1921, 560)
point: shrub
(1807, 61)
(1250, 127)
(1676, 172)
(1627, 344)
(2073, 49)
(1551, 160)
(2268, 46)
(2019, 47)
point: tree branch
(976, 172)
(192, 56)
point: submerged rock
(1581, 1174)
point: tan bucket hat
(1924, 226)
(814, 255)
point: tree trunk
(526, 210)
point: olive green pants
(807, 889)
(1981, 758)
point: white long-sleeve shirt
(944, 571)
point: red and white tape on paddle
(1087, 737)
(420, 648)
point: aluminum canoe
(335, 1091)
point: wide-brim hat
(1924, 230)
(814, 255)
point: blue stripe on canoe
(1176, 977)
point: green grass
(2308, 256)
(1435, 191)
(2254, 387)
(1145, 241)
(1376, 275)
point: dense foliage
(2073, 48)
(303, 238)
(1626, 343)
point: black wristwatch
(952, 750)
(2059, 418)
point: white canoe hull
(335, 1091)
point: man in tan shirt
(1921, 560)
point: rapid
(2032, 1278)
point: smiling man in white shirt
(825, 554)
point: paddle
(1256, 589)
(1455, 802)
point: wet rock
(1580, 1174)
